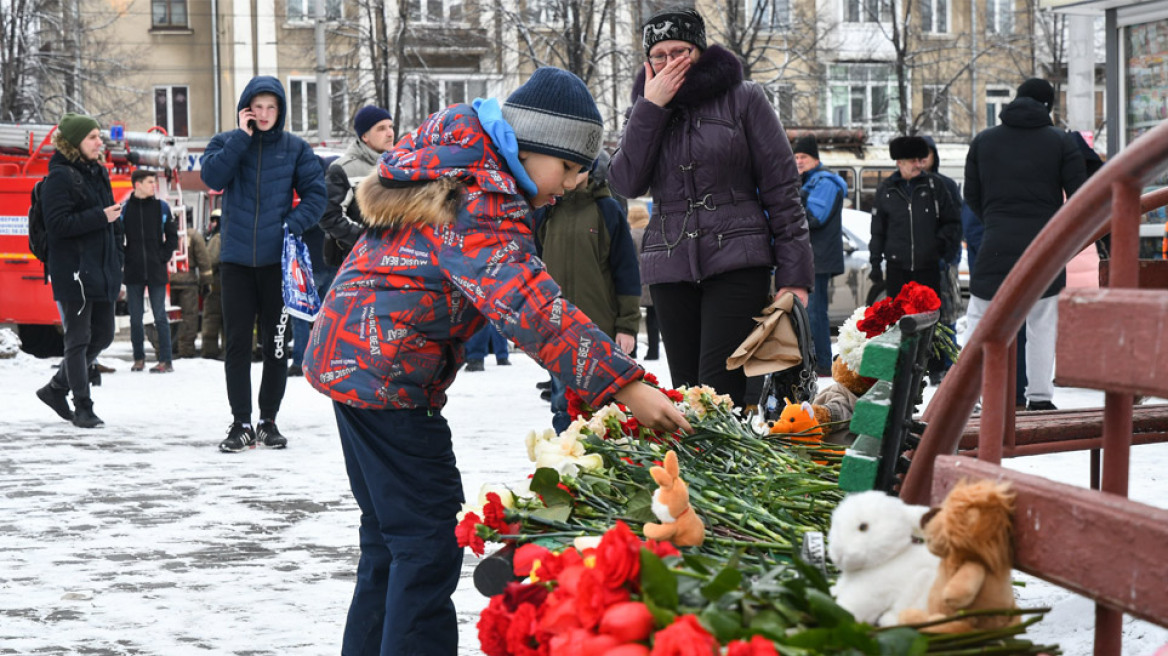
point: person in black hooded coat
(1017, 175)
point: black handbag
(795, 384)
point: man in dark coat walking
(151, 238)
(1017, 175)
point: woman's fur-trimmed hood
(384, 207)
(716, 71)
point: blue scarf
(503, 136)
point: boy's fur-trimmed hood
(383, 207)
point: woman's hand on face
(652, 408)
(660, 87)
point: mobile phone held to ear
(251, 125)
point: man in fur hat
(914, 223)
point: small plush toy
(679, 524)
(837, 402)
(799, 421)
(877, 543)
(971, 533)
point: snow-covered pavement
(141, 538)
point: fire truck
(26, 299)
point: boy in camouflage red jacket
(448, 247)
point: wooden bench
(1057, 431)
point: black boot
(57, 399)
(94, 375)
(84, 417)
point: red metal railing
(1109, 202)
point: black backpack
(38, 237)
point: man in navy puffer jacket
(259, 166)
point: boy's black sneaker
(295, 371)
(84, 417)
(474, 365)
(270, 436)
(239, 437)
(1040, 406)
(95, 375)
(57, 399)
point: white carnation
(851, 340)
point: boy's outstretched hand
(652, 408)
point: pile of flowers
(755, 492)
(621, 596)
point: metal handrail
(1081, 220)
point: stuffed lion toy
(971, 534)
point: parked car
(852, 288)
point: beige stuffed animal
(971, 533)
(679, 524)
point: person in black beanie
(342, 217)
(85, 260)
(1017, 175)
(823, 194)
(727, 222)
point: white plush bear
(877, 543)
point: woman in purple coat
(726, 210)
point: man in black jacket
(151, 238)
(85, 260)
(914, 220)
(1017, 176)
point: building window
(171, 110)
(439, 11)
(996, 101)
(862, 95)
(935, 16)
(302, 115)
(544, 12)
(168, 14)
(782, 98)
(867, 11)
(773, 15)
(305, 10)
(424, 95)
(1000, 16)
(935, 100)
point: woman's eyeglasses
(657, 60)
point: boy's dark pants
(403, 474)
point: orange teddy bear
(679, 524)
(801, 422)
(971, 533)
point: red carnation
(662, 549)
(758, 646)
(517, 594)
(467, 535)
(493, 513)
(594, 596)
(674, 395)
(685, 637)
(492, 625)
(618, 556)
(918, 299)
(651, 379)
(522, 637)
(526, 556)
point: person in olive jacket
(726, 209)
(151, 239)
(85, 260)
